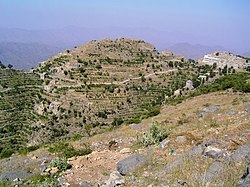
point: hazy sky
(225, 21)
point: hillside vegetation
(108, 82)
(19, 92)
(95, 88)
(119, 112)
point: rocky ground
(208, 145)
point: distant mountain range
(25, 48)
(25, 55)
(193, 51)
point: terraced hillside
(109, 82)
(18, 93)
(88, 90)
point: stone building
(222, 59)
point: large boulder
(11, 175)
(213, 152)
(242, 153)
(207, 110)
(131, 163)
(216, 168)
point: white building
(222, 59)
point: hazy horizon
(223, 23)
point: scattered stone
(61, 181)
(195, 151)
(112, 144)
(181, 139)
(215, 169)
(131, 163)
(34, 157)
(177, 93)
(44, 168)
(149, 150)
(207, 110)
(247, 108)
(189, 85)
(11, 175)
(182, 183)
(136, 126)
(164, 143)
(213, 152)
(230, 113)
(211, 143)
(85, 184)
(52, 170)
(125, 150)
(115, 179)
(44, 162)
(245, 179)
(242, 153)
(16, 180)
(47, 170)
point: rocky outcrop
(214, 150)
(131, 163)
(207, 110)
(242, 153)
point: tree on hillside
(10, 66)
(2, 65)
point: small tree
(154, 136)
(10, 66)
(2, 65)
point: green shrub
(5, 183)
(117, 122)
(42, 181)
(60, 163)
(28, 149)
(5, 153)
(64, 149)
(155, 136)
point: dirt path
(121, 82)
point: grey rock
(164, 143)
(230, 113)
(149, 151)
(136, 126)
(247, 108)
(115, 179)
(245, 179)
(207, 110)
(11, 175)
(213, 152)
(85, 184)
(195, 151)
(189, 85)
(111, 185)
(125, 150)
(242, 153)
(44, 168)
(215, 169)
(131, 163)
(211, 143)
(182, 183)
